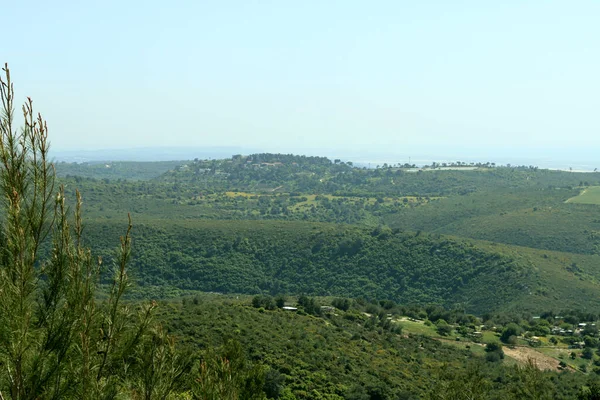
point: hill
(520, 206)
(539, 218)
(328, 259)
(353, 355)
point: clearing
(523, 354)
(590, 195)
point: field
(590, 195)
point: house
(286, 308)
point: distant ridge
(585, 162)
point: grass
(590, 195)
(489, 336)
(465, 345)
(242, 194)
(417, 328)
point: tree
(587, 353)
(592, 392)
(227, 375)
(56, 339)
(443, 328)
(494, 352)
(531, 383)
(280, 300)
(511, 330)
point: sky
(389, 75)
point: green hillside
(537, 218)
(327, 259)
(519, 206)
(115, 170)
(272, 223)
(351, 355)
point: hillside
(115, 170)
(292, 173)
(196, 229)
(328, 259)
(518, 206)
(351, 355)
(539, 218)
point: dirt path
(580, 194)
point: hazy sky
(282, 75)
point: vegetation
(107, 171)
(356, 354)
(58, 339)
(329, 281)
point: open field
(590, 195)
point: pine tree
(57, 340)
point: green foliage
(511, 331)
(461, 385)
(57, 339)
(264, 301)
(335, 357)
(592, 392)
(587, 353)
(227, 375)
(443, 328)
(531, 383)
(321, 259)
(494, 352)
(115, 170)
(310, 305)
(342, 304)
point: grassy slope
(532, 218)
(590, 195)
(564, 280)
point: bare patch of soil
(523, 354)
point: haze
(385, 76)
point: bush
(494, 356)
(443, 328)
(310, 305)
(587, 353)
(341, 304)
(494, 352)
(263, 301)
(280, 300)
(511, 329)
